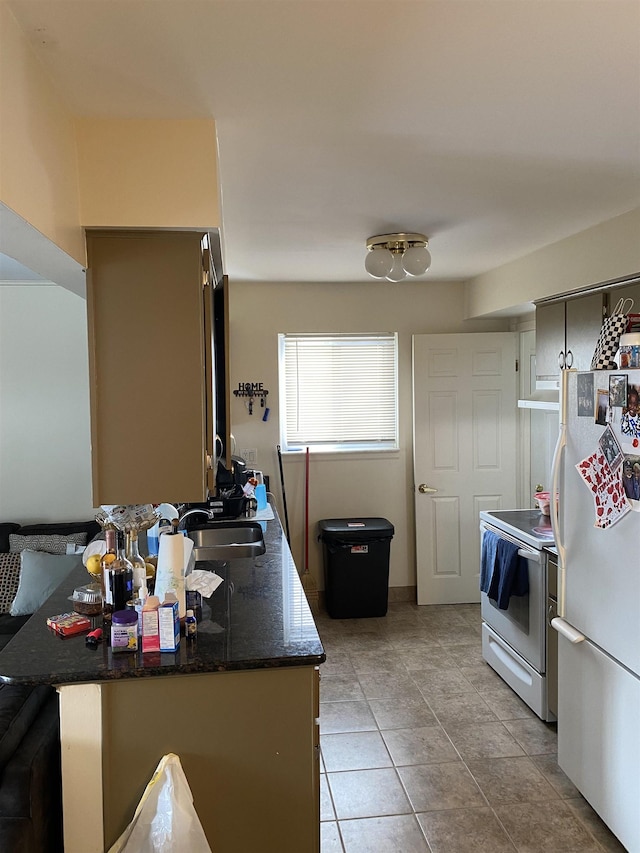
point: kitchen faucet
(209, 513)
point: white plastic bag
(165, 820)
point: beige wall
(607, 251)
(57, 175)
(38, 169)
(356, 484)
(145, 173)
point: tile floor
(424, 748)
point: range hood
(546, 396)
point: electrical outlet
(250, 455)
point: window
(338, 392)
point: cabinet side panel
(246, 741)
(147, 366)
(83, 747)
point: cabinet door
(550, 339)
(631, 292)
(567, 333)
(210, 365)
(583, 323)
(223, 382)
(147, 366)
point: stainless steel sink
(224, 540)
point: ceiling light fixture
(395, 256)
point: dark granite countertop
(257, 618)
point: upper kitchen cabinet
(625, 293)
(566, 334)
(151, 363)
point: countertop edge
(134, 665)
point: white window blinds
(338, 392)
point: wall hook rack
(252, 390)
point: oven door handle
(534, 556)
(527, 553)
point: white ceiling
(493, 126)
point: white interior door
(464, 436)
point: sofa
(30, 777)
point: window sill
(350, 455)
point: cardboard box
(67, 624)
(169, 621)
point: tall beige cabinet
(151, 365)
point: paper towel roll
(174, 553)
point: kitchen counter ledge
(258, 618)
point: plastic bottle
(124, 631)
(190, 626)
(261, 496)
(138, 604)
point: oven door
(522, 625)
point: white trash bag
(165, 820)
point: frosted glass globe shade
(416, 260)
(378, 262)
(397, 273)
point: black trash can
(356, 565)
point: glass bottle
(107, 558)
(118, 580)
(137, 562)
(190, 626)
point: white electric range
(516, 641)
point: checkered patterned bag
(608, 344)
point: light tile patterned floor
(424, 748)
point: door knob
(426, 490)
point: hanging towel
(488, 559)
(511, 574)
(502, 572)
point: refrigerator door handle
(567, 630)
(556, 468)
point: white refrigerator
(597, 533)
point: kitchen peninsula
(239, 707)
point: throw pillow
(6, 528)
(9, 577)
(52, 543)
(63, 528)
(40, 575)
